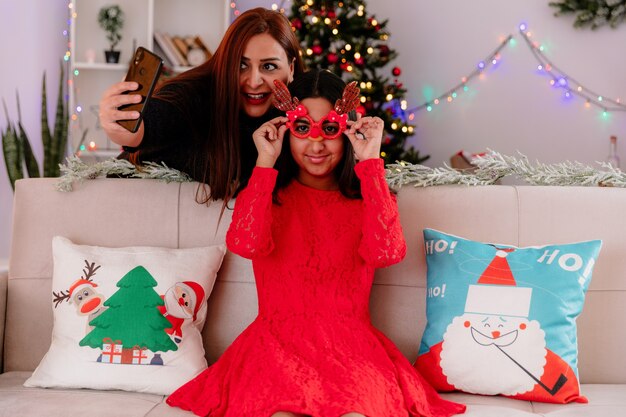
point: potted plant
(111, 19)
(18, 154)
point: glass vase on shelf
(613, 158)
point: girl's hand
(109, 114)
(268, 139)
(366, 134)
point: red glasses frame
(316, 128)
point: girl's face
(317, 157)
(263, 61)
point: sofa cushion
(501, 319)
(127, 318)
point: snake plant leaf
(32, 167)
(59, 138)
(12, 158)
(46, 137)
(63, 142)
(11, 151)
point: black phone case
(144, 69)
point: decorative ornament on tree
(396, 71)
(296, 23)
(317, 49)
(332, 58)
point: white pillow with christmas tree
(127, 318)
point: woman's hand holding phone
(122, 105)
(120, 94)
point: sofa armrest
(4, 279)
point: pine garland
(489, 169)
(494, 166)
(593, 13)
(77, 170)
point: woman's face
(316, 157)
(263, 61)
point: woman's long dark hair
(220, 152)
(324, 84)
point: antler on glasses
(282, 97)
(349, 100)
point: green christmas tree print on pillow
(132, 317)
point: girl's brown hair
(325, 84)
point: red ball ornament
(316, 49)
(309, 12)
(296, 23)
(383, 50)
(396, 71)
(331, 15)
(359, 61)
(332, 58)
(344, 66)
(387, 140)
(369, 105)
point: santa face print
(477, 350)
(178, 302)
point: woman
(201, 122)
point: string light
(452, 94)
(275, 6)
(560, 79)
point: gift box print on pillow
(501, 320)
(127, 318)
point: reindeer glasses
(300, 123)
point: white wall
(31, 41)
(513, 108)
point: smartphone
(145, 69)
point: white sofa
(123, 212)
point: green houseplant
(111, 19)
(18, 154)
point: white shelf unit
(88, 80)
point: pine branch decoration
(75, 170)
(593, 13)
(489, 169)
(494, 166)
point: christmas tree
(132, 316)
(341, 37)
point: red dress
(312, 349)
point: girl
(315, 230)
(200, 122)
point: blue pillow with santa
(502, 319)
